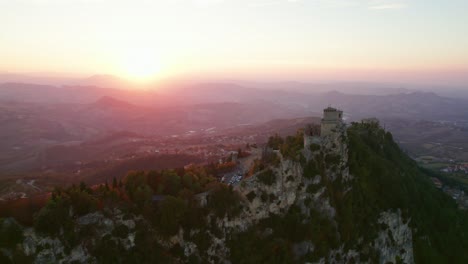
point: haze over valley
(233, 131)
(51, 130)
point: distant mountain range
(348, 87)
(34, 117)
(101, 80)
(414, 105)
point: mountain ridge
(356, 197)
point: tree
(82, 202)
(275, 142)
(171, 183)
(10, 233)
(187, 181)
(171, 211)
(54, 216)
(224, 201)
(114, 183)
(142, 195)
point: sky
(405, 40)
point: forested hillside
(386, 178)
(353, 200)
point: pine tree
(114, 183)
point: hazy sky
(291, 39)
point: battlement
(328, 136)
(331, 124)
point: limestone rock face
(396, 242)
(260, 199)
(279, 196)
(47, 249)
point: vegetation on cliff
(134, 219)
(386, 178)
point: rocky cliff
(343, 199)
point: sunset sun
(140, 65)
(234, 131)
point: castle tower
(332, 118)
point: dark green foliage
(56, 215)
(267, 177)
(53, 217)
(81, 201)
(253, 246)
(177, 250)
(387, 179)
(137, 188)
(313, 188)
(224, 201)
(11, 233)
(171, 212)
(194, 218)
(172, 182)
(108, 250)
(20, 257)
(4, 258)
(114, 183)
(311, 169)
(314, 147)
(247, 248)
(275, 142)
(250, 196)
(120, 231)
(147, 249)
(87, 231)
(202, 239)
(332, 159)
(178, 209)
(292, 146)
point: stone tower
(332, 119)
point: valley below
(254, 146)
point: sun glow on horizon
(140, 64)
(142, 40)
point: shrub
(310, 170)
(171, 212)
(314, 147)
(10, 233)
(51, 218)
(267, 177)
(312, 188)
(120, 231)
(275, 142)
(224, 201)
(332, 159)
(250, 196)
